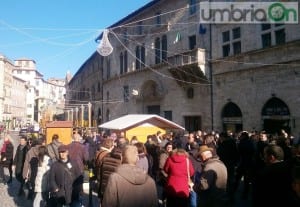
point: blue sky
(58, 34)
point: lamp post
(90, 113)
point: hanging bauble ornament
(105, 48)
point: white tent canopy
(131, 120)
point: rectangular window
(236, 33)
(226, 50)
(280, 36)
(140, 28)
(266, 40)
(192, 7)
(265, 27)
(143, 57)
(168, 115)
(236, 48)
(158, 19)
(226, 36)
(192, 42)
(126, 93)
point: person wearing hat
(211, 187)
(63, 175)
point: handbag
(192, 194)
(190, 182)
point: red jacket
(176, 168)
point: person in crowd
(210, 141)
(107, 146)
(128, 186)
(197, 164)
(179, 169)
(96, 138)
(152, 154)
(229, 155)
(273, 184)
(53, 148)
(62, 176)
(211, 188)
(259, 151)
(31, 165)
(295, 195)
(190, 142)
(41, 180)
(199, 137)
(134, 140)
(79, 154)
(6, 158)
(110, 162)
(18, 162)
(91, 147)
(142, 162)
(157, 138)
(246, 148)
(29, 142)
(162, 176)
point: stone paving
(9, 196)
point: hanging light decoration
(105, 48)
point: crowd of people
(195, 169)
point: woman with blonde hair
(6, 158)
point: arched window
(232, 118)
(138, 58)
(275, 107)
(121, 63)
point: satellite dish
(105, 48)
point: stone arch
(151, 91)
(232, 118)
(276, 116)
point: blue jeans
(193, 199)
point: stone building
(201, 76)
(6, 82)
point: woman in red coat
(177, 167)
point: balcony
(189, 67)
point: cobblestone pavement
(9, 196)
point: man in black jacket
(62, 180)
(19, 160)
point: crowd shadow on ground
(19, 200)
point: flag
(178, 37)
